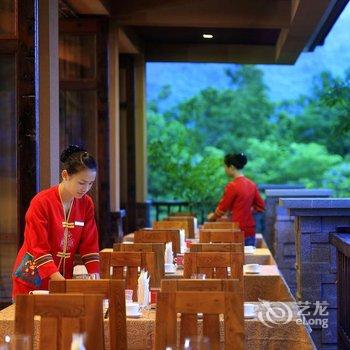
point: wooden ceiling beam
(248, 54)
(129, 41)
(132, 6)
(90, 7)
(308, 15)
(205, 13)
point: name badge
(78, 223)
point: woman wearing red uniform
(241, 197)
(59, 222)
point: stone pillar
(270, 204)
(315, 219)
(282, 243)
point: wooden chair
(209, 297)
(157, 248)
(173, 225)
(114, 291)
(159, 236)
(221, 224)
(217, 247)
(221, 236)
(191, 223)
(260, 241)
(61, 316)
(214, 265)
(126, 265)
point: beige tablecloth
(286, 334)
(260, 256)
(267, 285)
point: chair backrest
(221, 236)
(209, 297)
(191, 223)
(217, 247)
(114, 291)
(61, 316)
(159, 236)
(157, 248)
(221, 224)
(214, 265)
(127, 265)
(178, 224)
(260, 241)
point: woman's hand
(211, 217)
(57, 277)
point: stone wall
(270, 204)
(316, 265)
(282, 235)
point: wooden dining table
(260, 256)
(287, 333)
(268, 284)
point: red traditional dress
(51, 239)
(241, 197)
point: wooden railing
(341, 240)
(161, 209)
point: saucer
(138, 315)
(252, 272)
(252, 315)
(169, 268)
(170, 272)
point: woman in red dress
(241, 197)
(59, 222)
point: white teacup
(249, 249)
(39, 291)
(169, 267)
(132, 308)
(249, 310)
(254, 268)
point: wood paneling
(205, 13)
(84, 78)
(26, 109)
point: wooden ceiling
(244, 31)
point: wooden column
(142, 205)
(48, 93)
(117, 215)
(114, 125)
(140, 129)
(26, 107)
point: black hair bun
(240, 160)
(71, 149)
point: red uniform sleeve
(258, 204)
(37, 236)
(88, 247)
(226, 200)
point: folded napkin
(182, 241)
(143, 289)
(168, 254)
(80, 270)
(78, 342)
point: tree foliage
(298, 141)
